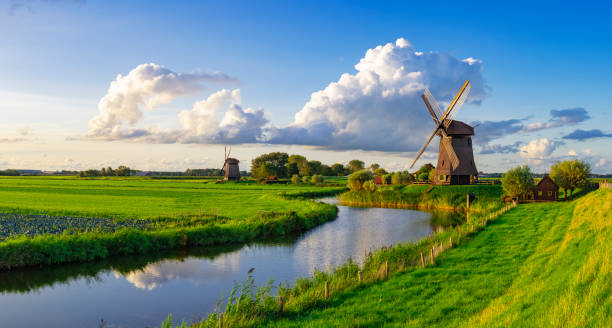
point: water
(140, 291)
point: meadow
(540, 264)
(48, 220)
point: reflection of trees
(446, 219)
(31, 279)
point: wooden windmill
(230, 166)
(455, 156)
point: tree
(570, 174)
(356, 179)
(400, 178)
(369, 186)
(295, 179)
(423, 173)
(275, 165)
(380, 171)
(355, 165)
(315, 167)
(386, 179)
(338, 169)
(300, 163)
(326, 170)
(374, 167)
(305, 179)
(518, 181)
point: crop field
(142, 198)
(46, 220)
(540, 265)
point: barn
(546, 190)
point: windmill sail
(431, 101)
(448, 148)
(456, 104)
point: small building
(546, 190)
(378, 180)
(232, 172)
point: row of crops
(32, 225)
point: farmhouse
(546, 190)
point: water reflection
(142, 290)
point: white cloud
(379, 107)
(571, 153)
(601, 163)
(146, 86)
(538, 149)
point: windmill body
(230, 166)
(460, 135)
(455, 157)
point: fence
(605, 185)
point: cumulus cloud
(379, 107)
(146, 86)
(582, 135)
(539, 149)
(559, 118)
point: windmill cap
(459, 128)
(232, 160)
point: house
(546, 190)
(378, 180)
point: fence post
(359, 276)
(422, 260)
(467, 202)
(450, 241)
(386, 268)
(432, 256)
(326, 289)
(220, 320)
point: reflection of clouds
(355, 231)
(156, 274)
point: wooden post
(432, 258)
(450, 241)
(422, 260)
(467, 202)
(326, 289)
(386, 268)
(220, 320)
(359, 276)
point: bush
(400, 178)
(295, 179)
(518, 181)
(356, 180)
(369, 186)
(305, 179)
(386, 179)
(317, 178)
(380, 171)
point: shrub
(398, 178)
(380, 171)
(295, 179)
(305, 179)
(369, 186)
(386, 179)
(356, 180)
(518, 181)
(317, 178)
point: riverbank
(424, 197)
(543, 264)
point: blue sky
(58, 58)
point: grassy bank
(488, 197)
(546, 264)
(541, 264)
(246, 213)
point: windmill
(230, 166)
(455, 156)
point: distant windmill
(230, 166)
(455, 156)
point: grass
(178, 213)
(144, 198)
(542, 264)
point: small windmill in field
(455, 156)
(230, 166)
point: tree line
(121, 171)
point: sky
(166, 85)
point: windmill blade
(432, 105)
(459, 99)
(448, 148)
(228, 153)
(424, 146)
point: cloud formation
(379, 107)
(539, 149)
(146, 86)
(500, 149)
(559, 118)
(582, 135)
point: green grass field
(144, 198)
(540, 265)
